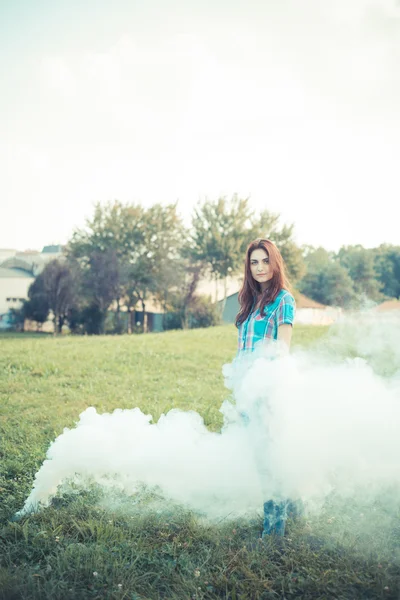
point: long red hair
(251, 288)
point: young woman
(267, 310)
(267, 306)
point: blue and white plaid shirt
(257, 328)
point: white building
(14, 285)
(310, 312)
(17, 271)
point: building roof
(303, 301)
(14, 273)
(52, 249)
(388, 305)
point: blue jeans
(275, 513)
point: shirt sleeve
(286, 310)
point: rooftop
(388, 305)
(14, 273)
(303, 301)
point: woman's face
(260, 267)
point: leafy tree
(114, 226)
(387, 266)
(283, 238)
(116, 230)
(332, 286)
(220, 234)
(37, 307)
(177, 287)
(360, 264)
(100, 283)
(316, 258)
(59, 283)
(326, 280)
(144, 242)
(164, 240)
(222, 230)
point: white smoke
(298, 426)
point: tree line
(127, 254)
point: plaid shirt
(257, 328)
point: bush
(17, 319)
(75, 320)
(173, 320)
(203, 313)
(93, 320)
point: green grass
(144, 548)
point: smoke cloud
(301, 426)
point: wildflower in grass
(386, 588)
(57, 538)
(197, 573)
(95, 573)
(120, 585)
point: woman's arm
(285, 334)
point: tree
(116, 230)
(316, 259)
(36, 308)
(332, 286)
(283, 238)
(164, 240)
(326, 280)
(222, 230)
(218, 234)
(387, 266)
(59, 284)
(360, 264)
(100, 283)
(178, 295)
(114, 226)
(144, 242)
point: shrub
(203, 313)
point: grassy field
(77, 549)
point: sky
(294, 104)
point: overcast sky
(295, 103)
